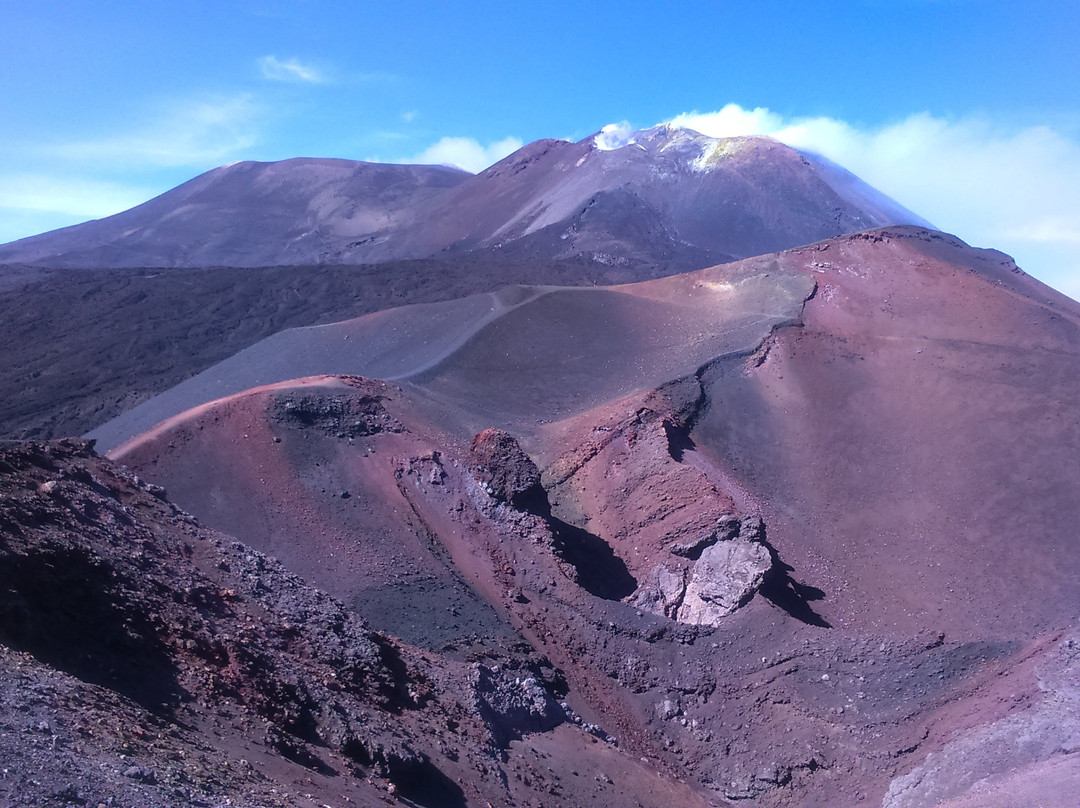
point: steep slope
(672, 199)
(915, 442)
(146, 660)
(84, 346)
(666, 194)
(920, 410)
(746, 703)
(810, 515)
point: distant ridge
(244, 214)
(666, 197)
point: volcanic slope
(81, 347)
(809, 515)
(295, 211)
(668, 198)
(147, 660)
(314, 241)
(549, 350)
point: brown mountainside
(763, 551)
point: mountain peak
(666, 196)
(689, 147)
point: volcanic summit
(670, 196)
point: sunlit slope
(521, 355)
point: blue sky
(966, 111)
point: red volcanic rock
(804, 712)
(897, 407)
(504, 470)
(147, 660)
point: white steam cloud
(466, 153)
(1013, 190)
(615, 136)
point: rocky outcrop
(343, 416)
(725, 577)
(632, 480)
(504, 471)
(662, 591)
(109, 591)
(513, 705)
(727, 566)
(727, 527)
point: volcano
(671, 197)
(794, 526)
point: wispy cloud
(68, 196)
(47, 185)
(190, 133)
(466, 152)
(290, 70)
(34, 203)
(1012, 189)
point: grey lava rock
(342, 416)
(513, 706)
(725, 577)
(729, 564)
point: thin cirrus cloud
(75, 197)
(48, 185)
(33, 202)
(1011, 189)
(190, 133)
(465, 152)
(290, 70)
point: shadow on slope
(599, 571)
(69, 610)
(428, 787)
(784, 592)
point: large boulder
(727, 565)
(725, 577)
(504, 471)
